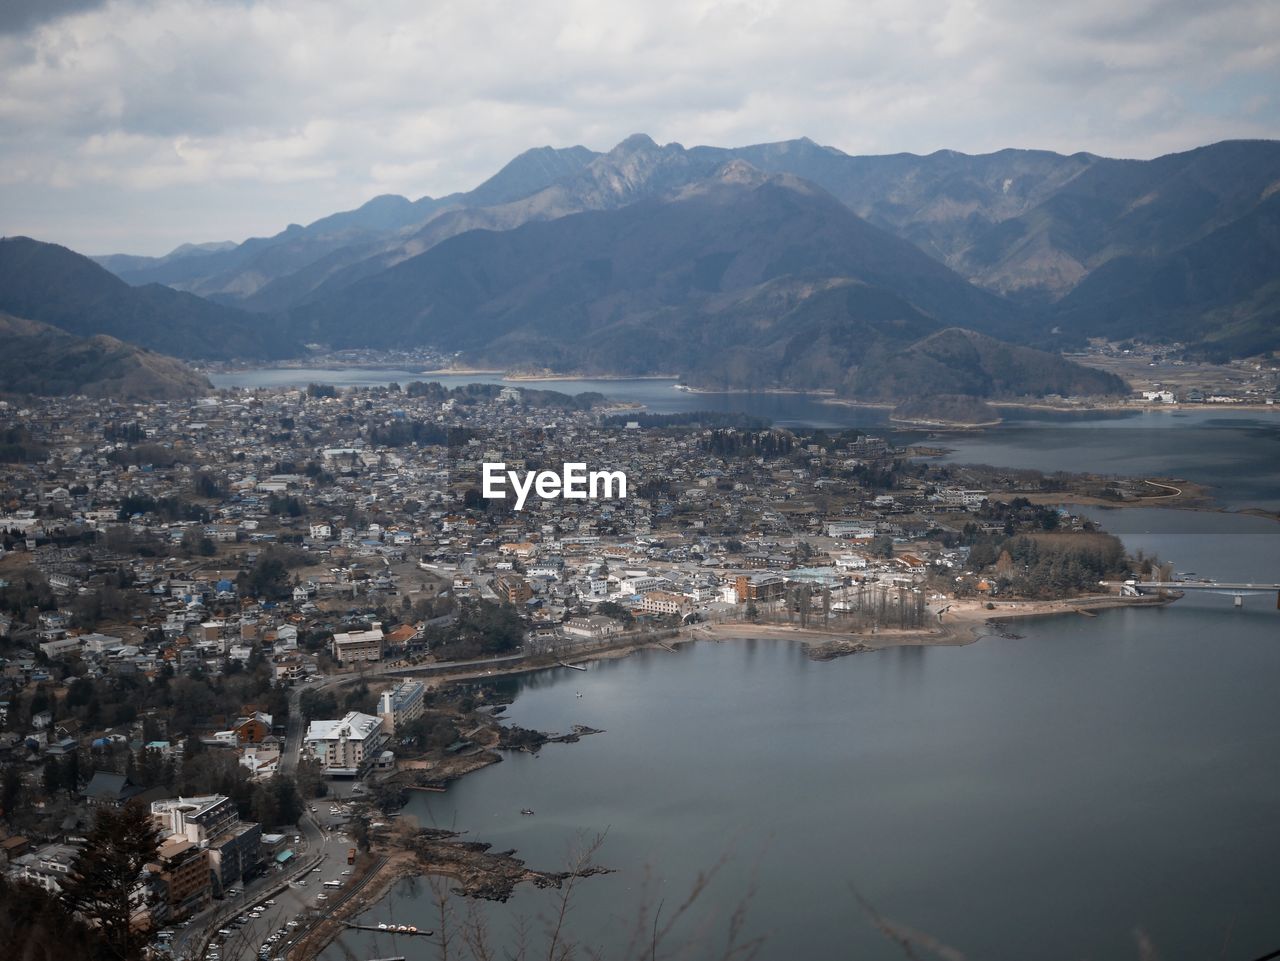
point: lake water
(1045, 796)
(1013, 799)
(1236, 453)
(1037, 797)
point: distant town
(222, 611)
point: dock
(389, 929)
(572, 667)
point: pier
(390, 929)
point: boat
(382, 925)
(526, 810)
(577, 694)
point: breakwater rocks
(480, 872)
(830, 650)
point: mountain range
(1181, 247)
(787, 264)
(54, 285)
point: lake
(1045, 796)
(1014, 798)
(1032, 797)
(1235, 452)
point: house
(106, 789)
(252, 729)
(261, 758)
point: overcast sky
(135, 125)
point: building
(759, 587)
(345, 748)
(48, 866)
(639, 584)
(353, 646)
(254, 728)
(664, 602)
(106, 789)
(512, 588)
(183, 878)
(401, 705)
(60, 647)
(212, 823)
(593, 625)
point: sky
(132, 126)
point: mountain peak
(738, 171)
(634, 144)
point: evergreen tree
(104, 886)
(10, 790)
(52, 779)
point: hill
(57, 286)
(39, 359)
(963, 362)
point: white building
(345, 747)
(354, 646)
(593, 625)
(61, 647)
(401, 705)
(638, 585)
(48, 866)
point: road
(319, 857)
(295, 892)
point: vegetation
(961, 362)
(40, 359)
(481, 628)
(38, 926)
(103, 883)
(53, 285)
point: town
(219, 612)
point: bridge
(1237, 591)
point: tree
(52, 779)
(71, 772)
(104, 883)
(313, 704)
(10, 790)
(38, 927)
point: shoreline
(960, 623)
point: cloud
(135, 108)
(17, 16)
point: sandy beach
(962, 622)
